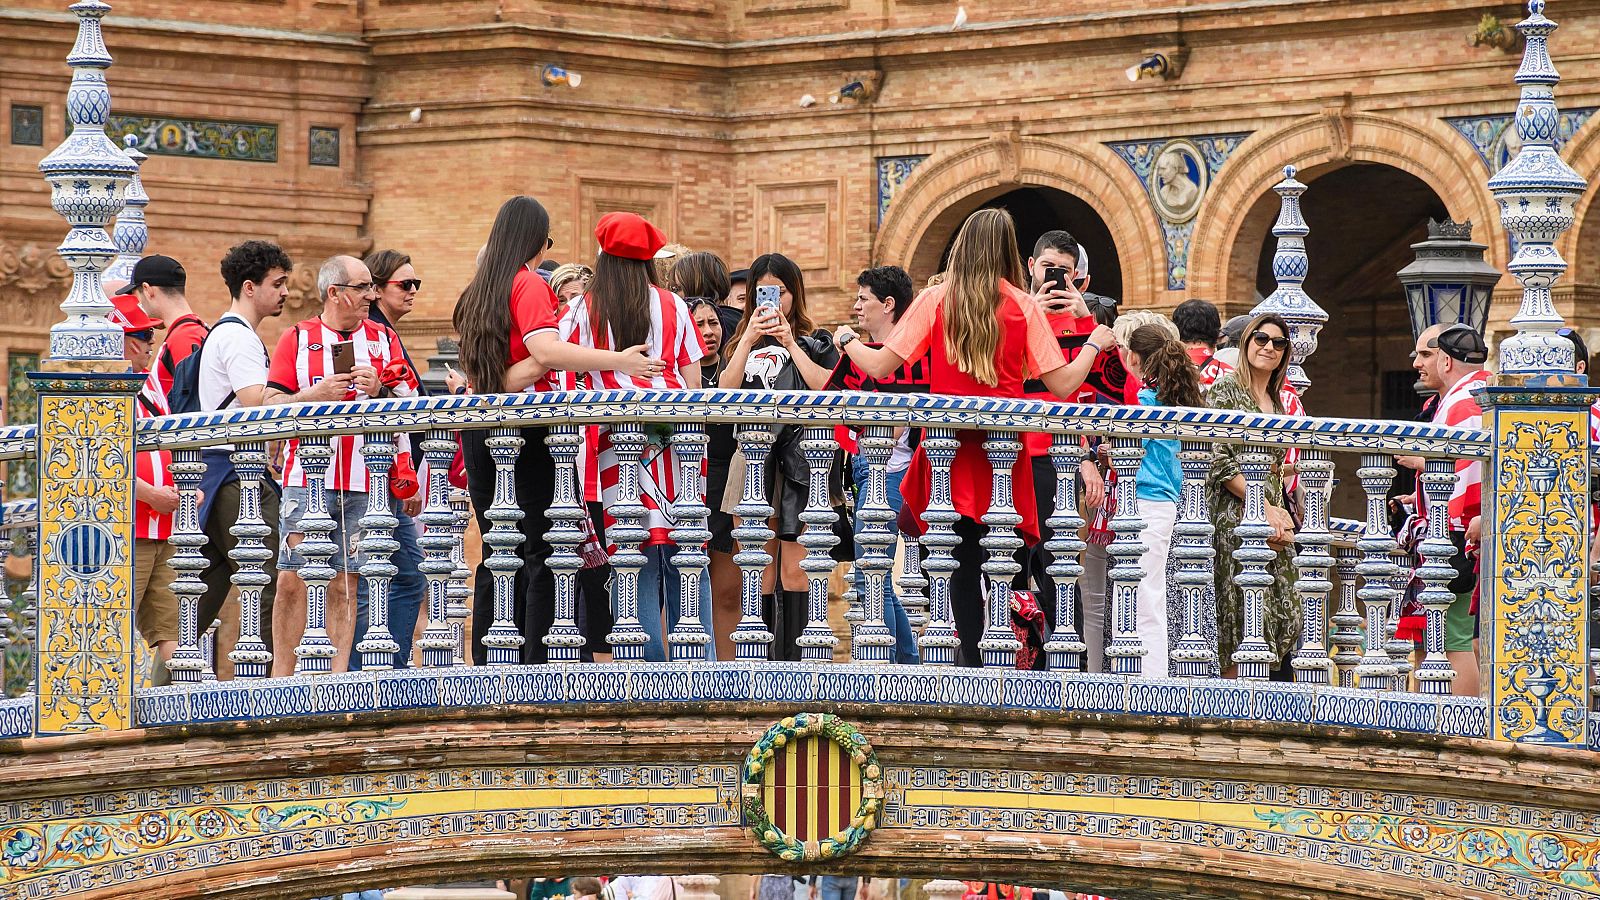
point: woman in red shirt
(984, 337)
(507, 321)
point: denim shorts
(345, 508)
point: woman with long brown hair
(983, 336)
(1256, 386)
(507, 321)
(776, 347)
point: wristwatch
(849, 336)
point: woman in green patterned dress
(1255, 386)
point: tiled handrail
(793, 408)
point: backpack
(184, 396)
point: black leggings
(535, 584)
(967, 589)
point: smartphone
(1058, 276)
(768, 295)
(344, 357)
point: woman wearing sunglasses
(1256, 386)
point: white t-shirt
(900, 459)
(233, 359)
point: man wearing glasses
(339, 353)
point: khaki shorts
(155, 606)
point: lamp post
(1449, 282)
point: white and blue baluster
(378, 546)
(188, 562)
(1437, 480)
(1398, 648)
(1254, 658)
(911, 586)
(1346, 636)
(1195, 654)
(315, 652)
(999, 645)
(208, 651)
(5, 608)
(752, 638)
(567, 514)
(1064, 651)
(1126, 652)
(29, 633)
(690, 534)
(503, 641)
(938, 642)
(436, 542)
(871, 640)
(460, 592)
(251, 657)
(627, 637)
(817, 640)
(1376, 670)
(1315, 566)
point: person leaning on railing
(624, 307)
(984, 337)
(507, 321)
(1255, 387)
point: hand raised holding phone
(1058, 295)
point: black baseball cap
(156, 271)
(1464, 344)
(739, 275)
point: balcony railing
(1348, 669)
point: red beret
(629, 236)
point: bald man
(1450, 360)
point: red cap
(629, 236)
(126, 312)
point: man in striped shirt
(1451, 360)
(304, 357)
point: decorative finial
(88, 177)
(1536, 191)
(1289, 268)
(130, 234)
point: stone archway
(1228, 237)
(948, 187)
(1577, 294)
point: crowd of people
(648, 314)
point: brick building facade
(342, 125)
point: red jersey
(1027, 349)
(673, 339)
(184, 336)
(533, 309)
(1210, 367)
(304, 356)
(1459, 407)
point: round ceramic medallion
(811, 788)
(1178, 180)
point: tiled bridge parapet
(1131, 806)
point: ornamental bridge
(1358, 778)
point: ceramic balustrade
(1324, 545)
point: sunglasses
(146, 336)
(407, 284)
(366, 287)
(1262, 339)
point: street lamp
(1449, 282)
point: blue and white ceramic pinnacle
(88, 176)
(131, 234)
(1536, 192)
(1289, 268)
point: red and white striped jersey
(1292, 406)
(304, 355)
(154, 466)
(1211, 368)
(1458, 407)
(674, 339)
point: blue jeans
(660, 586)
(838, 887)
(407, 591)
(894, 615)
